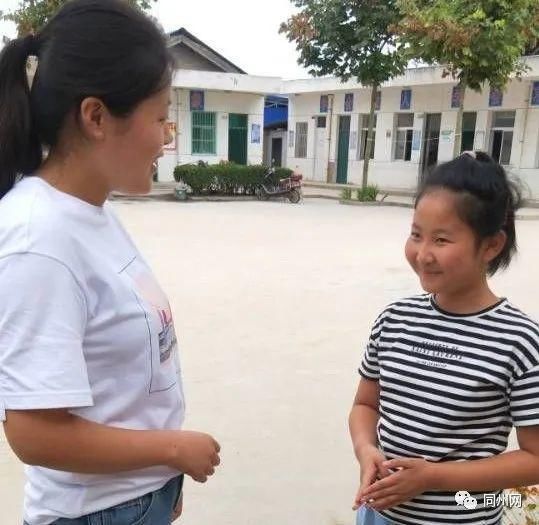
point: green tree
(31, 15)
(476, 41)
(349, 39)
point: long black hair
(486, 199)
(101, 48)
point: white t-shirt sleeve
(42, 323)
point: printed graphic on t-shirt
(163, 344)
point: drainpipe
(328, 169)
(526, 113)
(177, 137)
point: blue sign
(406, 99)
(455, 97)
(378, 101)
(349, 102)
(535, 94)
(495, 98)
(196, 100)
(255, 133)
(324, 103)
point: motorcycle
(290, 187)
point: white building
(415, 127)
(217, 114)
(217, 111)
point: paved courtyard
(272, 304)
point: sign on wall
(324, 103)
(291, 138)
(353, 140)
(535, 94)
(455, 97)
(172, 130)
(406, 99)
(416, 140)
(495, 98)
(255, 133)
(349, 102)
(446, 135)
(196, 100)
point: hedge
(225, 178)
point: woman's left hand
(177, 512)
(412, 477)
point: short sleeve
(524, 398)
(42, 325)
(369, 367)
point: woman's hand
(412, 477)
(371, 461)
(177, 512)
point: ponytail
(20, 148)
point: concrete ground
(273, 303)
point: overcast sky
(243, 31)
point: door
(430, 143)
(320, 149)
(277, 151)
(342, 152)
(237, 138)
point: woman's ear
(494, 246)
(93, 116)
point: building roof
(182, 36)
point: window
(404, 136)
(301, 140)
(501, 136)
(203, 132)
(363, 129)
(468, 131)
(320, 122)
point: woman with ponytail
(91, 395)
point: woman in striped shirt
(446, 375)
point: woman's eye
(414, 235)
(441, 240)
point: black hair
(486, 199)
(90, 48)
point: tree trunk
(460, 114)
(369, 145)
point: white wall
(403, 175)
(222, 104)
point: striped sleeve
(524, 399)
(369, 367)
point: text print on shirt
(163, 351)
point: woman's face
(135, 144)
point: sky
(246, 32)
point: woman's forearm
(363, 421)
(58, 440)
(510, 469)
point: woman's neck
(467, 300)
(73, 176)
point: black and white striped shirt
(451, 388)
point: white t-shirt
(85, 326)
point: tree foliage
(348, 39)
(477, 41)
(31, 15)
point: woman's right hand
(371, 464)
(195, 454)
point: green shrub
(346, 194)
(367, 194)
(225, 178)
